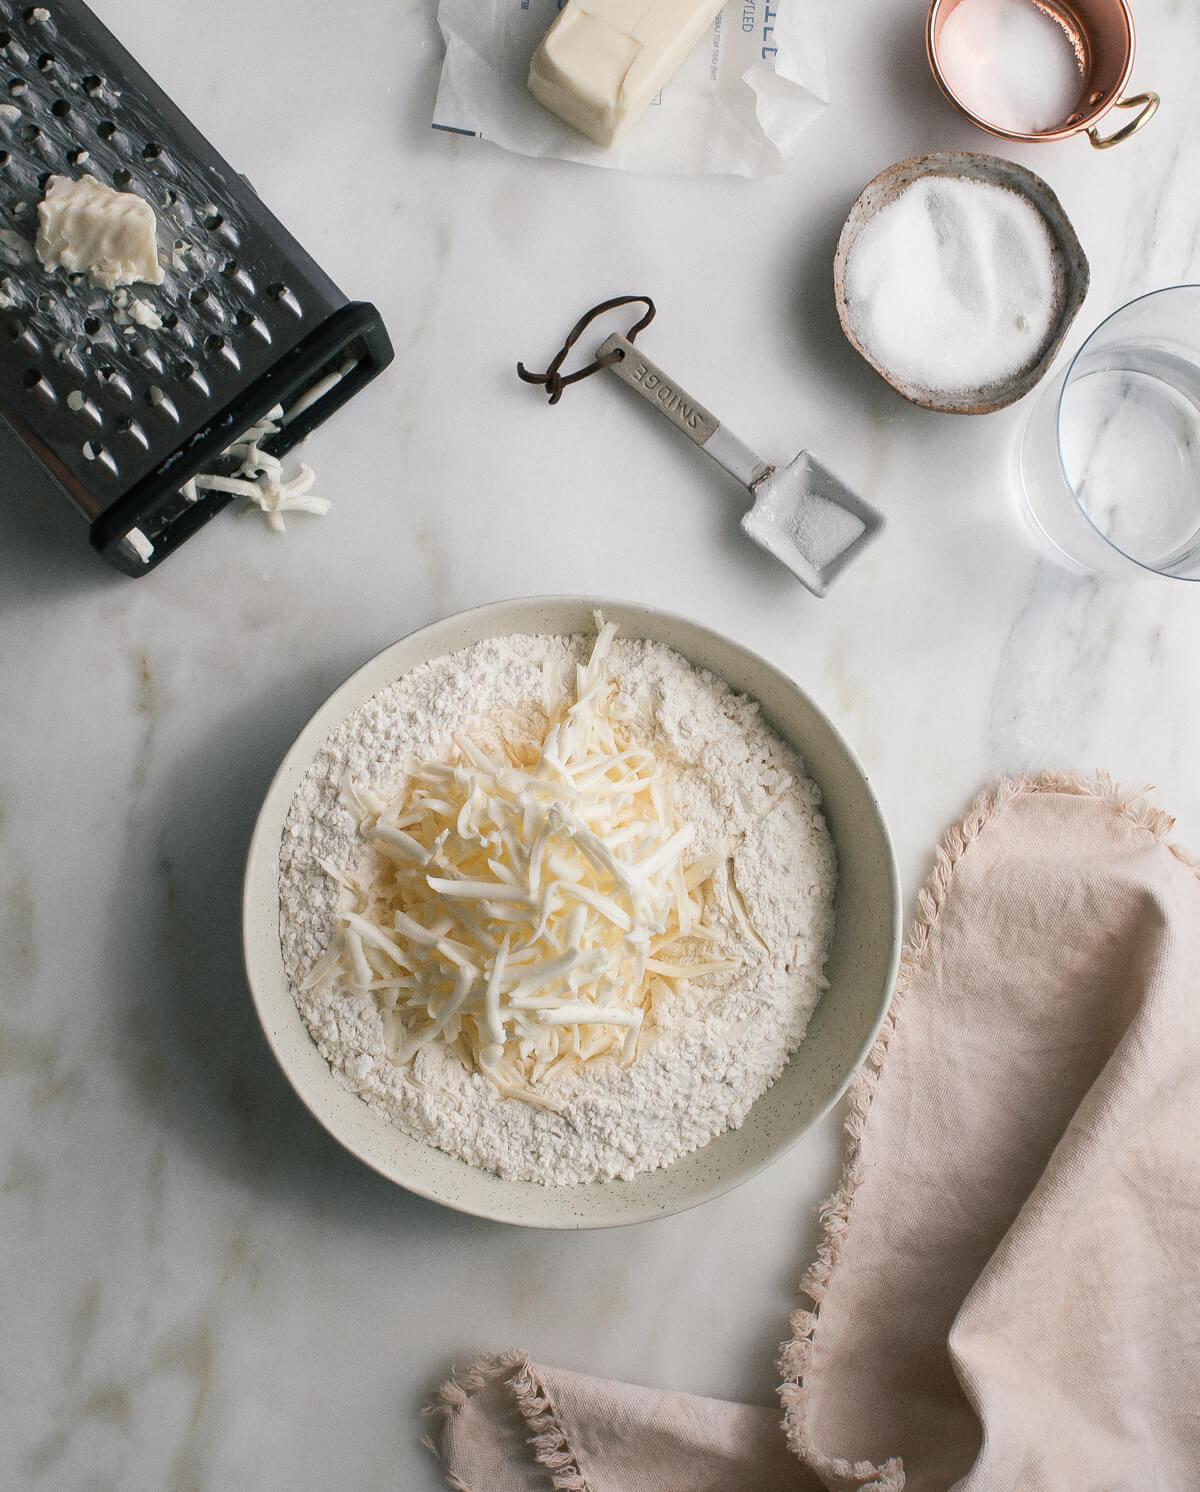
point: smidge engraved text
(689, 415)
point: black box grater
(120, 412)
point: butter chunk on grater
(122, 412)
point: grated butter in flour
(716, 1044)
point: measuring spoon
(802, 513)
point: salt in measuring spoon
(802, 513)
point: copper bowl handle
(1149, 107)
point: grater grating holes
(189, 257)
(115, 382)
(66, 116)
(94, 450)
(33, 380)
(146, 353)
(24, 336)
(162, 404)
(130, 428)
(282, 293)
(79, 403)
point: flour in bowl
(559, 906)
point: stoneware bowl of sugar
(957, 276)
(851, 995)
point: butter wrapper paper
(737, 106)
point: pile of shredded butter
(559, 906)
(531, 903)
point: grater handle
(154, 506)
(688, 415)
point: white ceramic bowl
(861, 969)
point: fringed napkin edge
(864, 1476)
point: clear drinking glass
(1110, 457)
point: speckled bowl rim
(975, 166)
(862, 965)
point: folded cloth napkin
(1008, 1291)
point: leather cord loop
(552, 380)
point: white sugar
(1013, 63)
(822, 529)
(953, 286)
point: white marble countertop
(202, 1289)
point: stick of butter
(602, 61)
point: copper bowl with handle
(1101, 35)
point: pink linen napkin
(1008, 1292)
